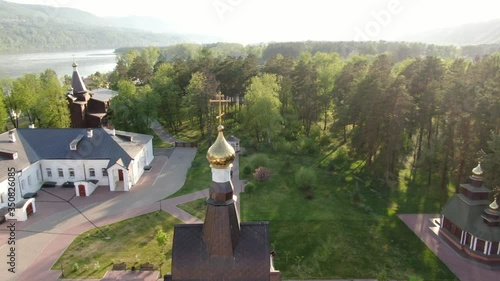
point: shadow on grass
(332, 237)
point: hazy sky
(253, 21)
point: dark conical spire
(77, 82)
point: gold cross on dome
(219, 99)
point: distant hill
(468, 34)
(142, 23)
(36, 27)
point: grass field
(348, 227)
(334, 236)
(132, 241)
(196, 208)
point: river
(16, 64)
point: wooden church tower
(222, 248)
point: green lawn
(339, 233)
(329, 236)
(196, 208)
(132, 241)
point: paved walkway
(162, 133)
(43, 238)
(466, 270)
(170, 205)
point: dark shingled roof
(466, 214)
(251, 260)
(77, 83)
(25, 154)
(100, 146)
(35, 144)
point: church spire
(76, 80)
(221, 228)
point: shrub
(305, 179)
(247, 171)
(75, 267)
(284, 146)
(260, 160)
(249, 187)
(262, 174)
(308, 146)
(338, 160)
(161, 236)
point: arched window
(49, 172)
(71, 172)
(60, 173)
(92, 172)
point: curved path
(170, 205)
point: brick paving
(42, 239)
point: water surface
(16, 64)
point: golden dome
(478, 171)
(494, 205)
(221, 153)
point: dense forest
(394, 110)
(27, 36)
(263, 52)
(426, 113)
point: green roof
(466, 214)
